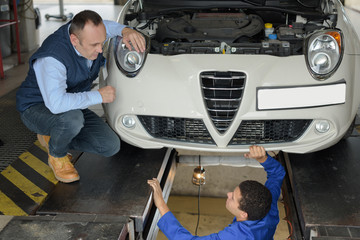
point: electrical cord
(198, 219)
(287, 217)
(287, 213)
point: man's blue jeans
(80, 130)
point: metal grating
(222, 92)
(176, 129)
(269, 131)
(15, 136)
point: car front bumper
(169, 87)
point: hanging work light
(198, 176)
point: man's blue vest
(79, 76)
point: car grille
(177, 129)
(269, 131)
(222, 92)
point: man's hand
(137, 39)
(158, 197)
(257, 152)
(107, 94)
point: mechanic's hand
(158, 196)
(107, 94)
(257, 152)
(137, 39)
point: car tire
(350, 129)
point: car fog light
(128, 121)
(322, 126)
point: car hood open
(178, 4)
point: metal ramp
(111, 201)
(324, 190)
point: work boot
(63, 169)
(44, 141)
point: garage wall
(219, 180)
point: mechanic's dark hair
(255, 199)
(80, 19)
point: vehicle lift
(113, 201)
(322, 192)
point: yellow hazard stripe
(39, 166)
(37, 143)
(358, 128)
(8, 207)
(24, 184)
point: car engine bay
(232, 30)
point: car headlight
(324, 53)
(127, 60)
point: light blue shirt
(51, 78)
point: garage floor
(184, 207)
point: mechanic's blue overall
(262, 229)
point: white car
(219, 76)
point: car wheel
(350, 129)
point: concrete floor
(212, 218)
